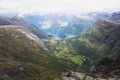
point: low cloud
(68, 6)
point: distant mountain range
(22, 53)
(63, 25)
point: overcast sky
(56, 6)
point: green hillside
(22, 58)
(85, 50)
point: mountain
(22, 56)
(106, 33)
(99, 15)
(59, 25)
(28, 53)
(106, 69)
(116, 16)
(100, 45)
(14, 19)
(85, 50)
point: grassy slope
(85, 50)
(104, 36)
(67, 53)
(20, 51)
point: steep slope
(101, 40)
(105, 34)
(19, 21)
(86, 49)
(100, 44)
(106, 69)
(22, 56)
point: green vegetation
(87, 49)
(18, 51)
(78, 53)
(67, 50)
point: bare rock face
(88, 78)
(108, 67)
(82, 76)
(4, 76)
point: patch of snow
(62, 23)
(46, 24)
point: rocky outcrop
(107, 69)
(82, 76)
(4, 76)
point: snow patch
(62, 23)
(46, 24)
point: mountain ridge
(24, 58)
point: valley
(34, 47)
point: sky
(59, 6)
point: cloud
(69, 6)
